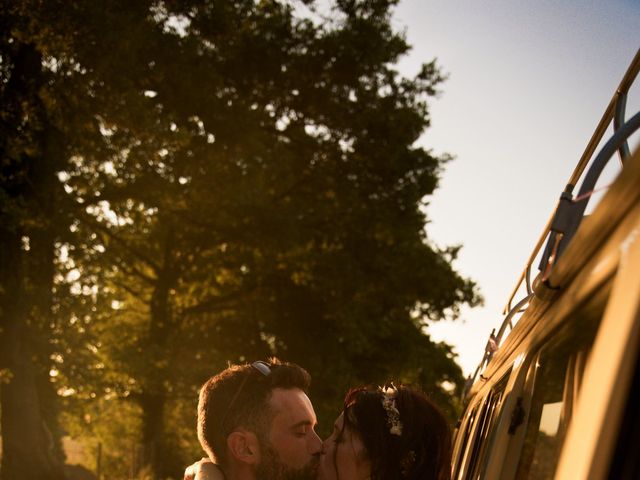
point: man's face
(292, 450)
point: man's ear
(243, 445)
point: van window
(557, 372)
(474, 449)
(464, 443)
(625, 463)
(486, 436)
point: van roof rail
(568, 213)
(615, 112)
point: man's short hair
(239, 397)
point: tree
(51, 99)
(31, 153)
(230, 181)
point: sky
(528, 82)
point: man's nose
(316, 446)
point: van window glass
(480, 435)
(464, 443)
(473, 444)
(558, 373)
(626, 462)
(487, 432)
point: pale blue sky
(528, 83)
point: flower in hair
(407, 463)
(389, 404)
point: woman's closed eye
(337, 436)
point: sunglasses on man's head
(259, 366)
(263, 367)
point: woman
(386, 434)
(383, 433)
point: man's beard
(271, 468)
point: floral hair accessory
(407, 463)
(389, 404)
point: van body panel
(595, 285)
(607, 378)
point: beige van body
(559, 397)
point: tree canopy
(187, 183)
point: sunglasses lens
(263, 367)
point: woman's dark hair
(409, 438)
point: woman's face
(344, 456)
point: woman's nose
(326, 446)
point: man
(257, 423)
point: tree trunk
(154, 396)
(40, 275)
(26, 274)
(28, 447)
(153, 410)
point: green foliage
(106, 425)
(228, 182)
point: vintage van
(557, 394)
